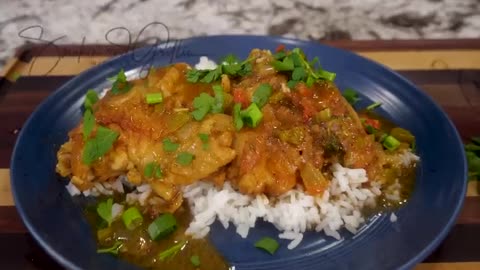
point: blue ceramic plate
(57, 223)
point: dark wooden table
(448, 70)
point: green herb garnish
(120, 85)
(172, 251)
(162, 226)
(261, 94)
(185, 158)
(112, 250)
(98, 146)
(91, 97)
(373, 106)
(154, 98)
(88, 124)
(202, 104)
(104, 210)
(472, 152)
(169, 146)
(252, 115)
(217, 106)
(153, 169)
(237, 118)
(132, 218)
(268, 244)
(301, 70)
(391, 143)
(230, 65)
(351, 96)
(195, 260)
(204, 138)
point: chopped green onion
(172, 251)
(132, 218)
(90, 98)
(169, 146)
(237, 118)
(217, 106)
(268, 244)
(261, 94)
(162, 226)
(373, 106)
(252, 115)
(104, 210)
(391, 143)
(98, 146)
(154, 98)
(195, 260)
(112, 250)
(185, 158)
(329, 76)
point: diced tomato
(280, 48)
(309, 109)
(373, 122)
(304, 91)
(240, 96)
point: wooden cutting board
(448, 70)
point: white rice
(292, 214)
(205, 64)
(393, 217)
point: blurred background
(121, 21)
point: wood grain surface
(449, 71)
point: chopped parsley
(351, 96)
(172, 251)
(195, 260)
(300, 70)
(120, 84)
(152, 169)
(204, 138)
(113, 249)
(169, 146)
(98, 146)
(204, 103)
(185, 158)
(261, 94)
(104, 210)
(88, 124)
(230, 65)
